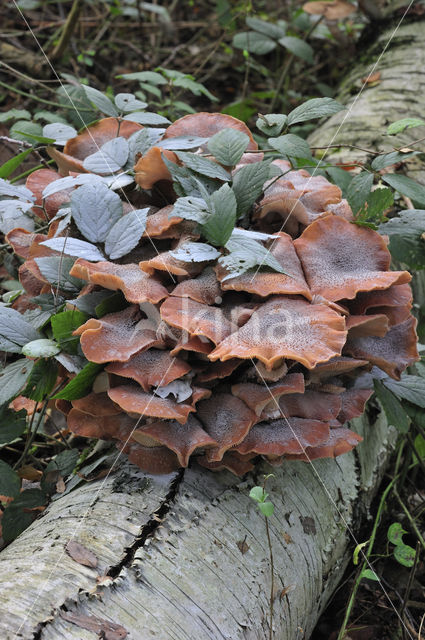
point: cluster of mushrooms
(228, 370)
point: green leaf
(377, 202)
(298, 47)
(257, 494)
(60, 132)
(180, 143)
(406, 186)
(113, 302)
(12, 425)
(11, 165)
(221, 221)
(15, 332)
(74, 247)
(88, 302)
(18, 515)
(128, 102)
(359, 190)
(419, 445)
(386, 160)
(102, 102)
(411, 388)
(341, 178)
(394, 411)
(63, 325)
(203, 166)
(315, 108)
(369, 575)
(195, 252)
(62, 466)
(27, 131)
(405, 555)
(15, 114)
(267, 28)
(248, 184)
(254, 42)
(95, 210)
(42, 348)
(271, 124)
(42, 380)
(395, 533)
(10, 482)
(147, 118)
(15, 191)
(82, 384)
(407, 244)
(291, 146)
(151, 77)
(110, 158)
(228, 146)
(404, 123)
(13, 377)
(266, 508)
(126, 233)
(56, 271)
(190, 208)
(246, 253)
(195, 87)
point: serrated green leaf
(95, 209)
(406, 186)
(42, 348)
(244, 254)
(407, 244)
(81, 385)
(395, 533)
(102, 102)
(271, 124)
(126, 233)
(75, 247)
(10, 482)
(228, 146)
(147, 118)
(404, 123)
(254, 42)
(63, 325)
(386, 160)
(110, 158)
(41, 380)
(298, 47)
(56, 271)
(15, 332)
(12, 425)
(13, 377)
(248, 184)
(190, 208)
(291, 146)
(203, 166)
(315, 108)
(359, 190)
(411, 388)
(220, 223)
(377, 202)
(394, 411)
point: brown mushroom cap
(167, 262)
(106, 427)
(331, 10)
(341, 259)
(160, 225)
(192, 343)
(196, 318)
(227, 420)
(314, 405)
(353, 402)
(217, 370)
(116, 336)
(23, 241)
(206, 125)
(373, 325)
(392, 353)
(155, 460)
(204, 289)
(398, 295)
(136, 285)
(231, 461)
(267, 283)
(258, 397)
(151, 168)
(36, 182)
(284, 436)
(183, 439)
(334, 367)
(340, 441)
(151, 368)
(96, 404)
(133, 400)
(286, 328)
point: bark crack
(114, 571)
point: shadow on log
(187, 554)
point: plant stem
(409, 517)
(272, 578)
(34, 97)
(67, 31)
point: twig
(34, 97)
(409, 585)
(410, 519)
(67, 31)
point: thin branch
(68, 29)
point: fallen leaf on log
(80, 554)
(105, 629)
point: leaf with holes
(271, 124)
(128, 102)
(195, 252)
(190, 208)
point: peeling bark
(170, 544)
